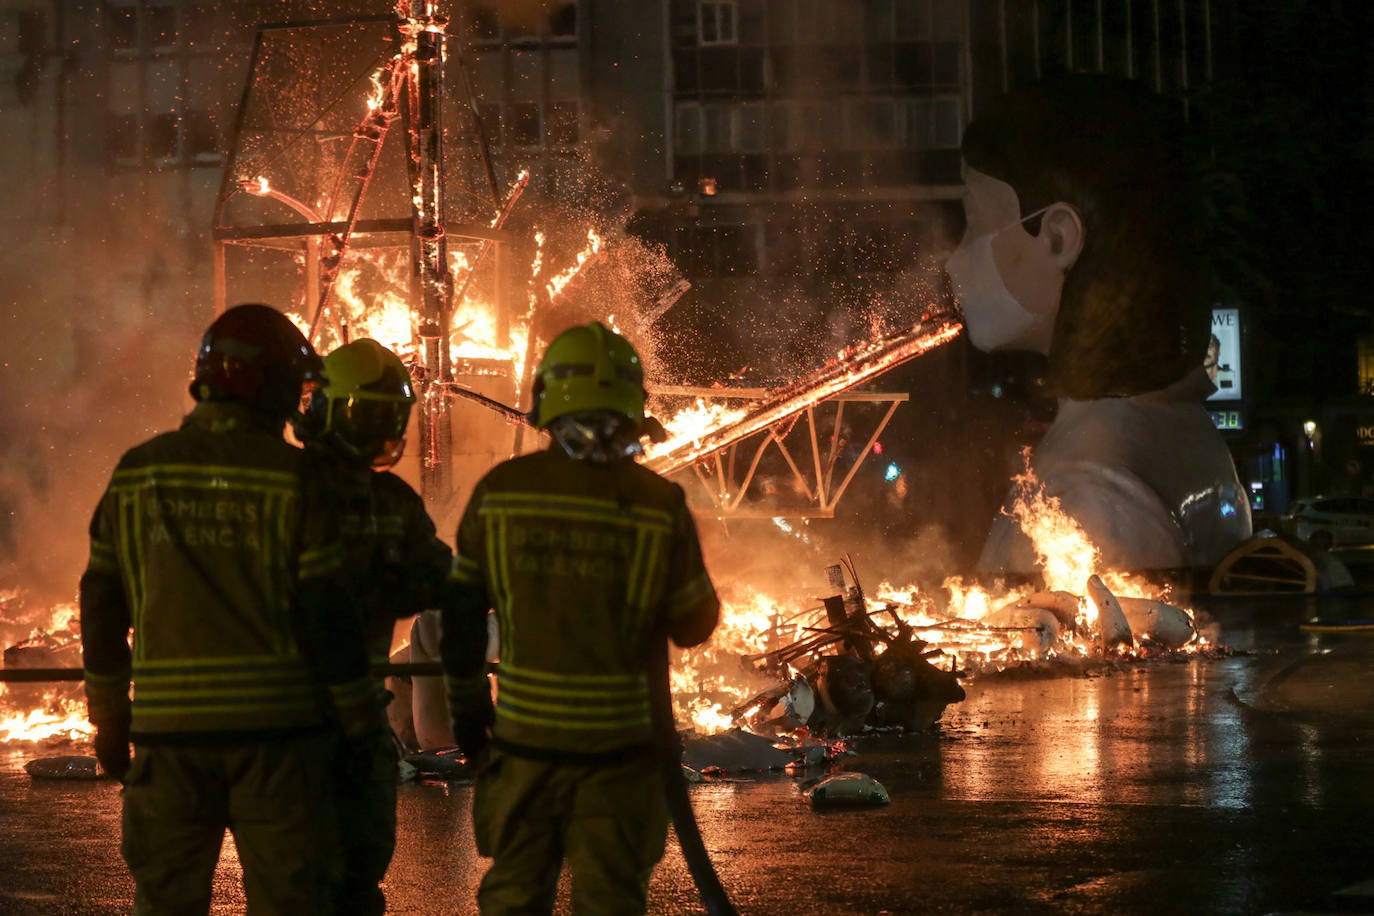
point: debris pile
(850, 674)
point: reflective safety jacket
(395, 564)
(217, 546)
(584, 564)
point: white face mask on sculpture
(991, 313)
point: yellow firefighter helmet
(588, 367)
(364, 404)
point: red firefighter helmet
(253, 354)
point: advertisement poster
(1223, 355)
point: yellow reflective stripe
(557, 677)
(284, 691)
(498, 572)
(106, 686)
(692, 593)
(515, 688)
(129, 524)
(321, 561)
(637, 571)
(599, 712)
(280, 675)
(211, 471)
(651, 572)
(573, 515)
(185, 484)
(584, 503)
(220, 661)
(465, 571)
(571, 725)
(145, 713)
(203, 685)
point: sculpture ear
(1061, 229)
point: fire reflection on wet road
(1165, 786)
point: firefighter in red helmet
(590, 562)
(397, 567)
(216, 544)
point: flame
(1063, 552)
(955, 620)
(559, 282)
(691, 424)
(56, 717)
(380, 79)
(34, 712)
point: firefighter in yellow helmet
(218, 546)
(396, 567)
(590, 562)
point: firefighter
(591, 562)
(397, 566)
(216, 544)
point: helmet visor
(370, 422)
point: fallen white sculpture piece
(848, 790)
(1158, 622)
(1039, 627)
(1113, 628)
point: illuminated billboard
(1223, 355)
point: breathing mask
(994, 318)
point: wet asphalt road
(1232, 785)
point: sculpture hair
(1134, 312)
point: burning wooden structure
(312, 138)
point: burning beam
(851, 370)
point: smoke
(103, 317)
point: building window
(1366, 359)
(161, 133)
(532, 126)
(718, 22)
(199, 25)
(524, 124)
(160, 25)
(122, 136)
(563, 21)
(201, 136)
(524, 23)
(122, 22)
(717, 251)
(562, 123)
(933, 123)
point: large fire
(969, 628)
(44, 712)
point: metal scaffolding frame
(718, 471)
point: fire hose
(668, 747)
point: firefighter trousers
(273, 798)
(609, 821)
(366, 787)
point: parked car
(1334, 521)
